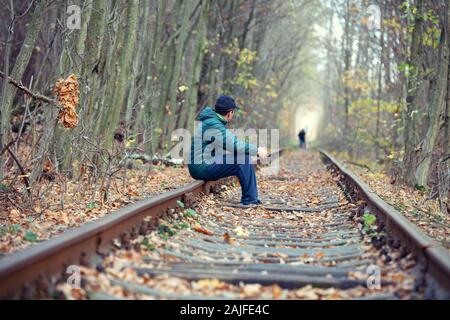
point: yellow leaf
(241, 232)
(183, 88)
(14, 213)
(209, 284)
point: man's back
(302, 135)
(212, 130)
(210, 120)
(211, 138)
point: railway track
(315, 237)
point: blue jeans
(245, 173)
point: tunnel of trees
(83, 96)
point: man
(302, 137)
(212, 140)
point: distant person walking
(302, 138)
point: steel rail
(435, 257)
(75, 246)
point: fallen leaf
(228, 239)
(251, 290)
(280, 255)
(14, 213)
(209, 284)
(132, 193)
(276, 292)
(319, 255)
(241, 232)
(200, 229)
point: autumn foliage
(68, 97)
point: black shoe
(254, 203)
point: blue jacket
(214, 123)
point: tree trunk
(152, 85)
(19, 68)
(123, 70)
(437, 108)
(412, 100)
(170, 119)
(447, 118)
(191, 109)
(93, 47)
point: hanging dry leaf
(68, 97)
(167, 110)
(48, 166)
(68, 118)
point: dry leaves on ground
(413, 204)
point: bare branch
(27, 91)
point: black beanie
(225, 104)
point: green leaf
(91, 205)
(183, 225)
(420, 188)
(369, 221)
(165, 231)
(3, 187)
(164, 236)
(180, 204)
(15, 228)
(3, 230)
(190, 213)
(30, 236)
(148, 246)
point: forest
(92, 88)
(350, 199)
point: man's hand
(262, 153)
